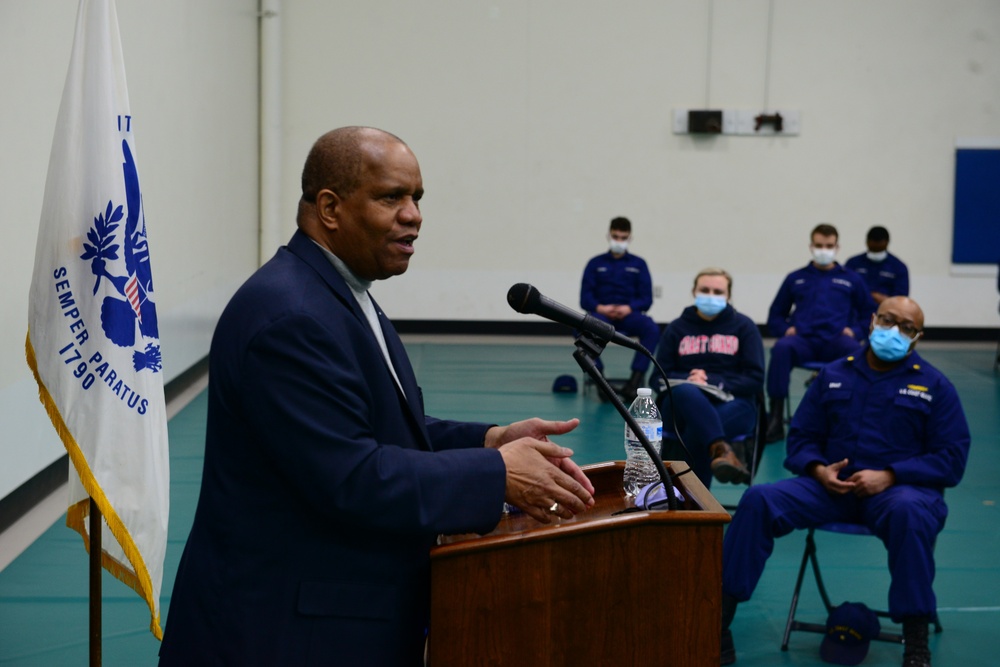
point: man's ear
(328, 209)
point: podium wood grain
(640, 588)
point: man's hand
(871, 482)
(790, 331)
(614, 311)
(607, 310)
(528, 428)
(540, 429)
(541, 475)
(828, 477)
(848, 331)
(622, 311)
(878, 297)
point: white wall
(192, 77)
(537, 122)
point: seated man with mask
(819, 314)
(885, 274)
(617, 288)
(876, 440)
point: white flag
(93, 342)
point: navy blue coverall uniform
(889, 277)
(907, 419)
(819, 304)
(622, 280)
(729, 349)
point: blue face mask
(888, 344)
(709, 305)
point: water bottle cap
(644, 391)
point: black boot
(631, 386)
(728, 653)
(776, 421)
(916, 653)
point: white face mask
(617, 247)
(878, 256)
(824, 256)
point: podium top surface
(611, 511)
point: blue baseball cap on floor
(849, 630)
(564, 384)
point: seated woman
(710, 344)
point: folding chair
(815, 367)
(753, 443)
(809, 557)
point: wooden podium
(631, 589)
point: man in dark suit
(324, 483)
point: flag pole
(95, 584)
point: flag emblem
(131, 304)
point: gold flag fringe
(137, 578)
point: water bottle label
(652, 431)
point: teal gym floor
(43, 592)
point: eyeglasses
(908, 329)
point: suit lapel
(404, 371)
(304, 248)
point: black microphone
(524, 298)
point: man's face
(901, 312)
(822, 242)
(877, 246)
(378, 222)
(618, 235)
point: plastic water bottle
(639, 468)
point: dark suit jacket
(323, 487)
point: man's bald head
(903, 309)
(336, 160)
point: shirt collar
(357, 285)
(911, 363)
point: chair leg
(810, 552)
(752, 457)
(815, 567)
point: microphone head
(522, 297)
